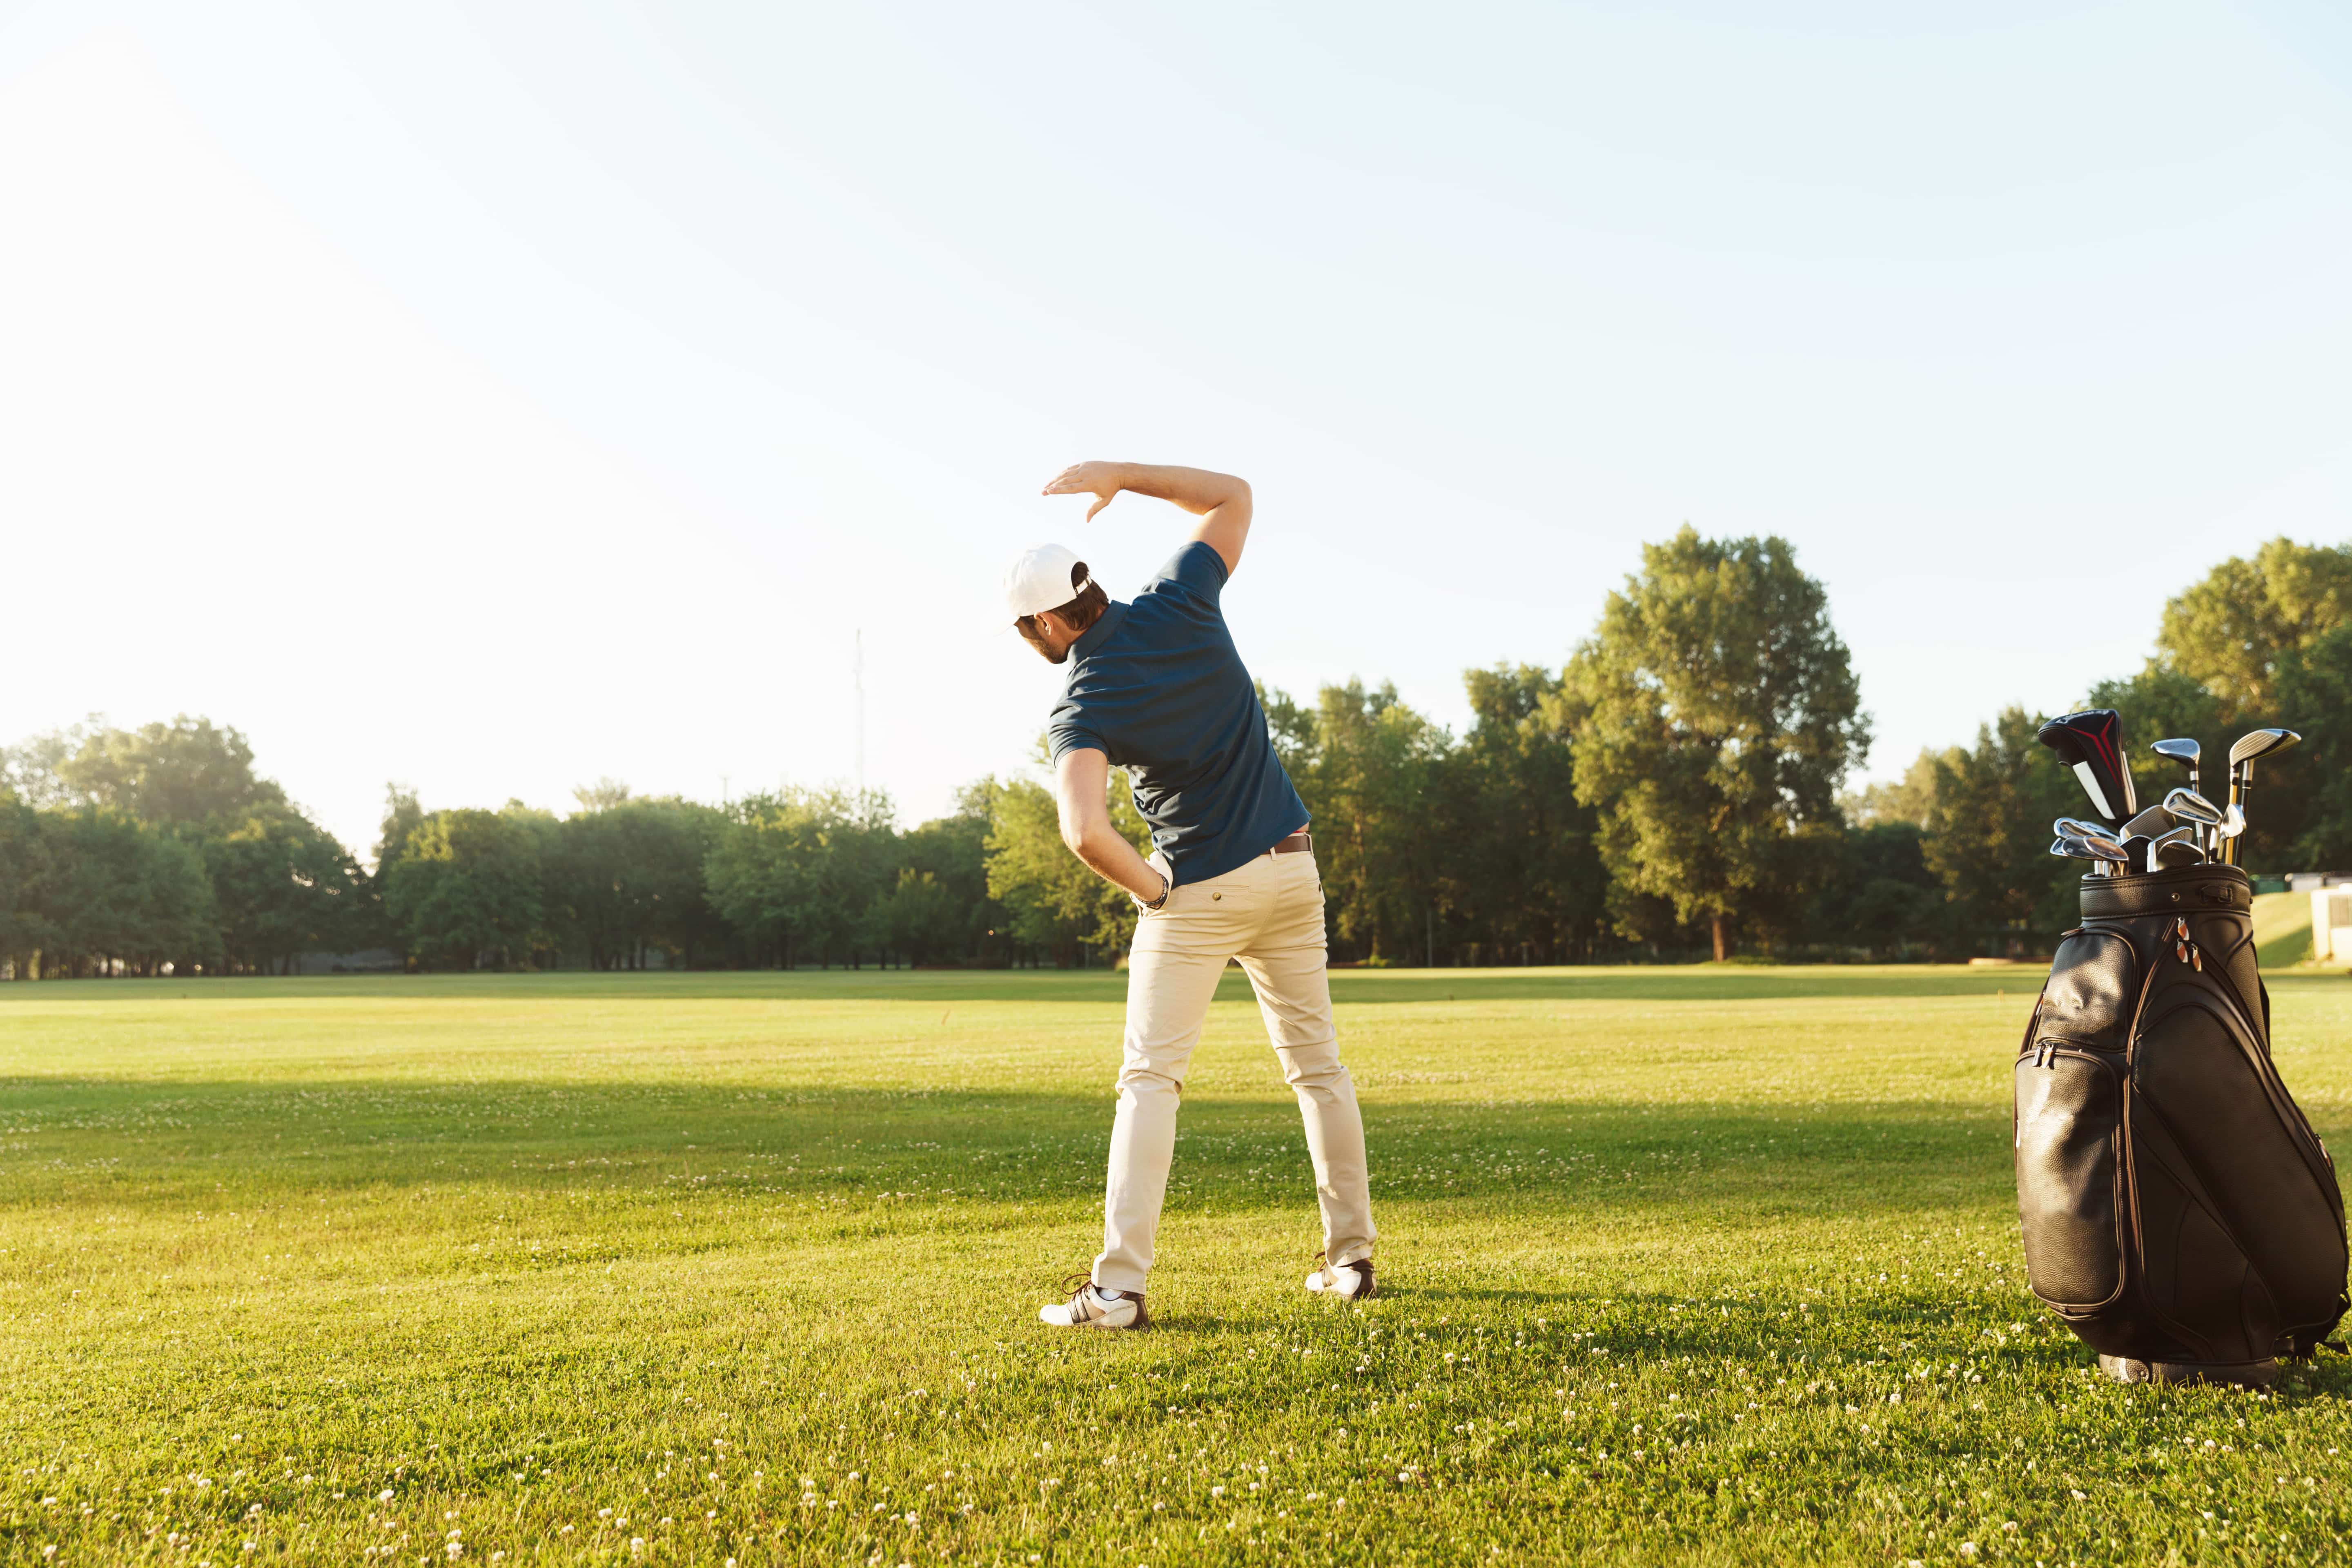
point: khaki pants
(1269, 914)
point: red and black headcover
(2092, 743)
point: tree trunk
(1722, 948)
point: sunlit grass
(1697, 1265)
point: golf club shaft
(2241, 775)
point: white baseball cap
(1039, 579)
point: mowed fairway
(1714, 1266)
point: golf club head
(2082, 827)
(2243, 753)
(2092, 743)
(2233, 822)
(2102, 863)
(2257, 744)
(2186, 752)
(2097, 845)
(2189, 806)
(2178, 848)
(2155, 822)
(2136, 848)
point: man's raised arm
(1221, 501)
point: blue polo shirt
(1157, 686)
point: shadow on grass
(1694, 982)
(127, 1143)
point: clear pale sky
(496, 398)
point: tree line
(1675, 789)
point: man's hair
(1081, 612)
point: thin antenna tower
(858, 680)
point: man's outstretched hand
(1100, 480)
(1221, 501)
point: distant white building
(2331, 914)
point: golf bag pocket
(2230, 1129)
(2069, 1175)
(2092, 986)
(2200, 1285)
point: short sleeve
(1068, 731)
(1197, 568)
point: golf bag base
(2178, 1212)
(2241, 1375)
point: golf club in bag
(2179, 1214)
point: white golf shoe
(1092, 1306)
(1350, 1282)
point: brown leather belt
(1299, 843)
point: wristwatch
(1166, 886)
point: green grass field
(1713, 1266)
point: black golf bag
(2180, 1215)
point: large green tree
(27, 870)
(2243, 634)
(1523, 868)
(1054, 901)
(402, 817)
(625, 878)
(121, 890)
(468, 891)
(2316, 700)
(2232, 629)
(919, 917)
(1722, 717)
(30, 769)
(186, 772)
(1372, 787)
(1987, 836)
(281, 885)
(797, 871)
(951, 852)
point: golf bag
(2180, 1215)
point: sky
(497, 398)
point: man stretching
(1156, 687)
